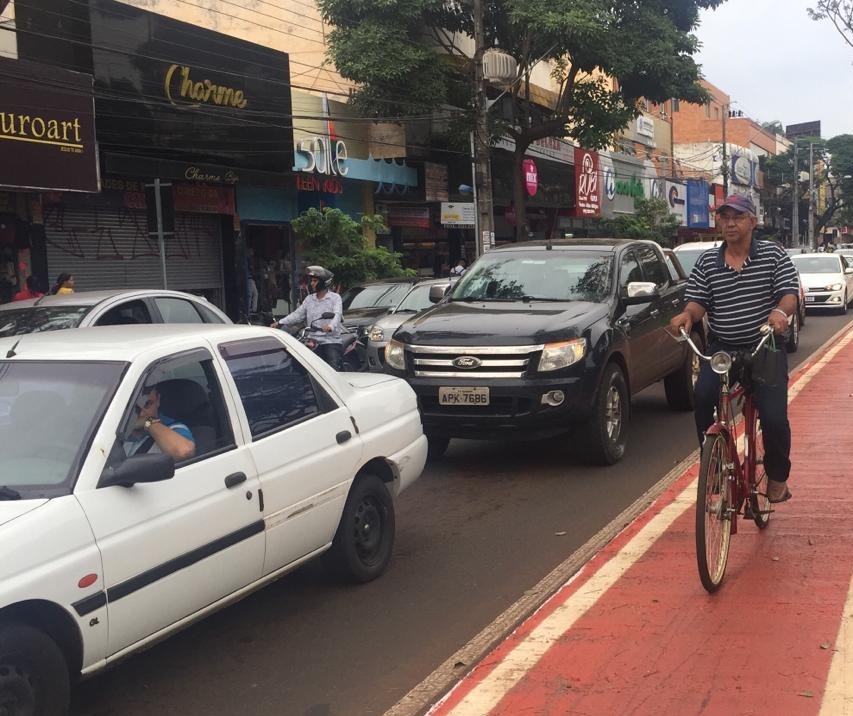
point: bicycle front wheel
(713, 517)
(758, 501)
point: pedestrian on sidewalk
(64, 284)
(742, 285)
(30, 291)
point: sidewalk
(635, 633)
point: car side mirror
(640, 292)
(436, 293)
(153, 467)
(328, 315)
(848, 270)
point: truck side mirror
(437, 292)
(640, 292)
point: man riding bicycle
(742, 285)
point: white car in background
(689, 252)
(107, 548)
(828, 280)
(106, 308)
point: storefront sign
(743, 170)
(531, 176)
(178, 84)
(203, 199)
(324, 155)
(47, 134)
(587, 183)
(697, 204)
(645, 127)
(435, 182)
(630, 186)
(312, 182)
(458, 215)
(207, 174)
(409, 216)
(677, 201)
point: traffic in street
(476, 533)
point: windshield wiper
(552, 300)
(407, 310)
(7, 493)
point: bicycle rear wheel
(713, 520)
(758, 501)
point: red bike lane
(635, 633)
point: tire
(436, 446)
(361, 549)
(801, 310)
(758, 502)
(793, 340)
(679, 385)
(843, 309)
(34, 679)
(603, 441)
(713, 522)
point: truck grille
(474, 362)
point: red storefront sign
(204, 198)
(531, 176)
(319, 183)
(587, 183)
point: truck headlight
(395, 355)
(376, 334)
(562, 354)
(833, 287)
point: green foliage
(336, 241)
(652, 220)
(839, 13)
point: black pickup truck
(539, 339)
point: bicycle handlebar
(766, 329)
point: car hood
(392, 321)
(12, 509)
(815, 280)
(363, 316)
(366, 380)
(490, 323)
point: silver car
(106, 308)
(416, 300)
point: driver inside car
(153, 432)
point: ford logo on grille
(467, 362)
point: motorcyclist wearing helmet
(321, 300)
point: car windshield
(48, 413)
(817, 264)
(31, 319)
(377, 295)
(688, 257)
(538, 276)
(416, 300)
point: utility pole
(812, 240)
(725, 157)
(795, 208)
(483, 178)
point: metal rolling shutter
(109, 247)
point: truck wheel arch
(54, 621)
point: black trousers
(332, 353)
(772, 403)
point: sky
(778, 64)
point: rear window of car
(32, 319)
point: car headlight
(562, 354)
(395, 355)
(375, 334)
(833, 287)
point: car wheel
(844, 304)
(34, 678)
(678, 386)
(793, 340)
(437, 446)
(801, 309)
(606, 432)
(361, 549)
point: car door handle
(343, 436)
(676, 301)
(238, 478)
(654, 313)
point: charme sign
(179, 85)
(47, 135)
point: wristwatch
(149, 422)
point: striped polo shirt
(739, 302)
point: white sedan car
(828, 280)
(152, 474)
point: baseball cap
(738, 202)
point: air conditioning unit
(499, 67)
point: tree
(407, 57)
(336, 241)
(839, 13)
(652, 220)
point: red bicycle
(728, 485)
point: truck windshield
(48, 413)
(537, 276)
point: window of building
(708, 110)
(716, 112)
(676, 105)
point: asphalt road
(477, 530)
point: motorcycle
(355, 351)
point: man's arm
(778, 318)
(297, 316)
(692, 314)
(171, 442)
